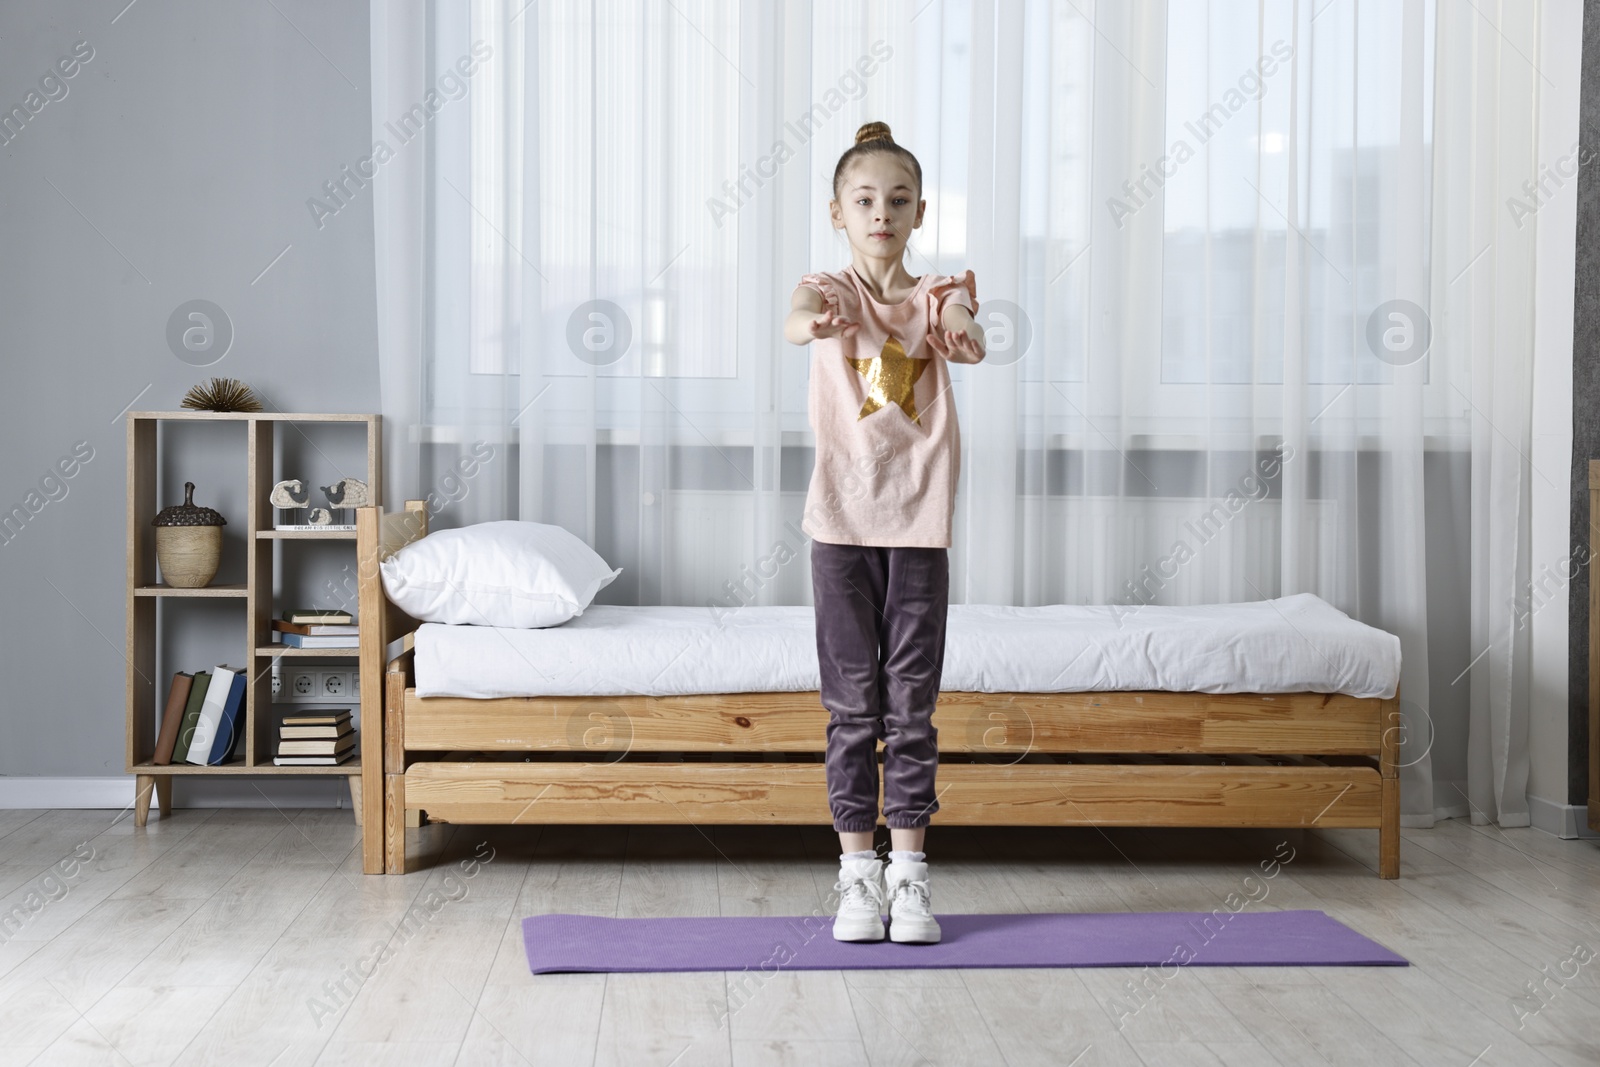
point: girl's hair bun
(874, 139)
(873, 131)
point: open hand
(963, 347)
(828, 325)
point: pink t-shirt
(888, 446)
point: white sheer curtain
(1188, 225)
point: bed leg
(1389, 831)
(394, 824)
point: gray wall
(176, 167)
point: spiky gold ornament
(222, 394)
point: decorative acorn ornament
(188, 542)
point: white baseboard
(30, 792)
(116, 793)
(1566, 821)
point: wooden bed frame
(1006, 759)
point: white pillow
(505, 573)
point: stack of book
(203, 719)
(317, 739)
(317, 628)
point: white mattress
(1293, 644)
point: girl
(888, 453)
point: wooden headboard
(379, 535)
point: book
(306, 527)
(325, 717)
(231, 725)
(312, 733)
(205, 727)
(172, 718)
(331, 641)
(320, 616)
(313, 761)
(191, 715)
(318, 748)
(314, 629)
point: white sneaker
(910, 920)
(860, 889)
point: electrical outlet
(291, 686)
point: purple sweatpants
(880, 645)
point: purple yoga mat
(805, 943)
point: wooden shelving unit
(145, 691)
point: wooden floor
(222, 937)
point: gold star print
(891, 378)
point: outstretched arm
(963, 337)
(807, 320)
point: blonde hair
(874, 138)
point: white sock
(901, 856)
(866, 854)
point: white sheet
(1293, 644)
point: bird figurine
(290, 494)
(348, 493)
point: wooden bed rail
(378, 536)
(1002, 726)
